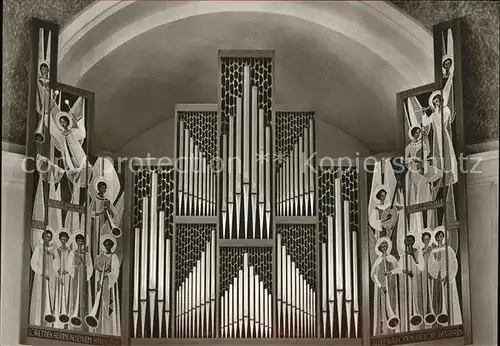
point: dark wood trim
(246, 243)
(128, 260)
(236, 53)
(435, 334)
(196, 220)
(460, 150)
(287, 108)
(272, 146)
(363, 250)
(218, 207)
(37, 335)
(298, 220)
(196, 107)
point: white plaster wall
(13, 189)
(482, 203)
(159, 142)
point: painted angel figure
(427, 244)
(106, 320)
(43, 99)
(81, 270)
(70, 135)
(381, 219)
(412, 263)
(443, 152)
(106, 207)
(63, 286)
(44, 263)
(448, 65)
(102, 211)
(443, 268)
(422, 174)
(384, 275)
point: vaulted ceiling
(346, 83)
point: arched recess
(384, 35)
(378, 26)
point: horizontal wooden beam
(299, 220)
(245, 341)
(196, 107)
(246, 242)
(230, 53)
(200, 220)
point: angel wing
(78, 110)
(413, 112)
(376, 182)
(449, 51)
(55, 214)
(389, 178)
(372, 241)
(119, 205)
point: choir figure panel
(246, 292)
(413, 269)
(195, 281)
(59, 204)
(295, 166)
(246, 147)
(153, 228)
(296, 288)
(338, 213)
(196, 158)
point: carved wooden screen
(73, 282)
(419, 286)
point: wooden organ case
(244, 235)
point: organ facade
(245, 233)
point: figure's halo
(380, 241)
(40, 234)
(80, 232)
(378, 189)
(94, 190)
(64, 115)
(43, 62)
(106, 237)
(433, 95)
(420, 234)
(410, 131)
(446, 57)
(63, 230)
(445, 233)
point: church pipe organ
(244, 235)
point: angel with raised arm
(443, 152)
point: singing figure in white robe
(81, 270)
(101, 210)
(412, 264)
(443, 268)
(426, 247)
(384, 275)
(44, 263)
(376, 221)
(107, 273)
(63, 288)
